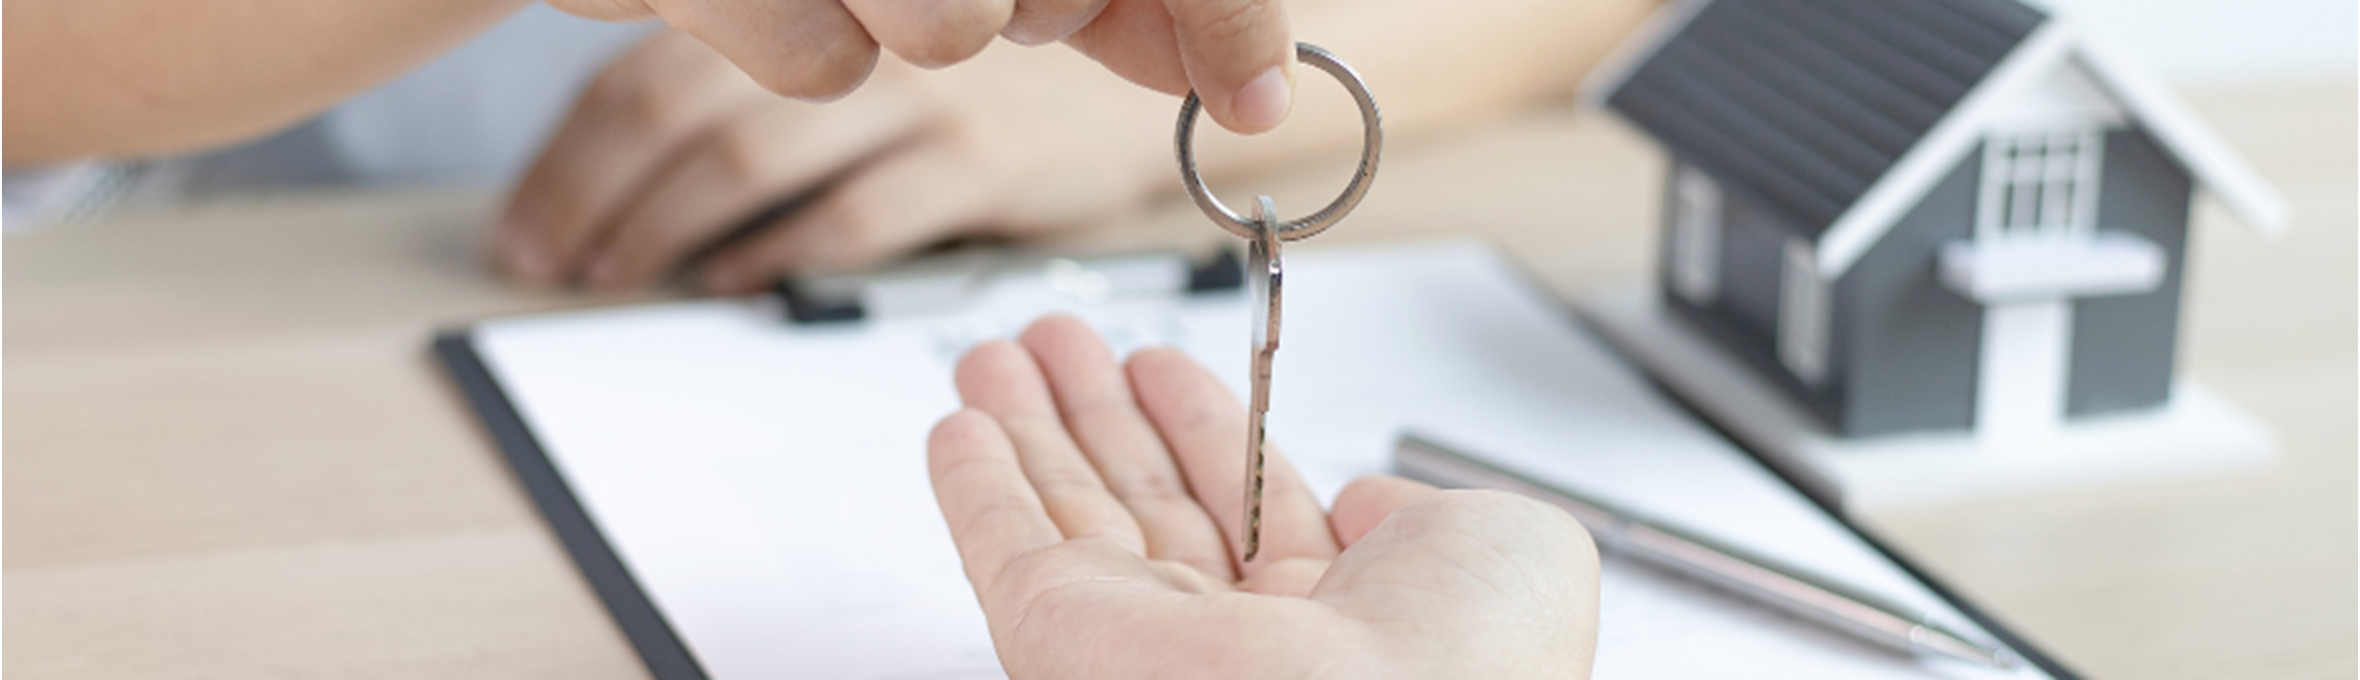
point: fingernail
(1262, 103)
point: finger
(805, 49)
(1237, 55)
(932, 33)
(759, 157)
(1205, 429)
(1001, 379)
(1368, 501)
(606, 10)
(1134, 39)
(631, 119)
(907, 199)
(1095, 400)
(1038, 22)
(1239, 58)
(993, 514)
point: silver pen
(1864, 616)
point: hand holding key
(1094, 504)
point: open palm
(1095, 505)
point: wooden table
(228, 454)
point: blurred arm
(130, 77)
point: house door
(2039, 190)
(2027, 346)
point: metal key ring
(1372, 142)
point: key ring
(1372, 142)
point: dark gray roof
(1803, 104)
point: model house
(1924, 214)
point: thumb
(1475, 574)
(1240, 58)
(1369, 500)
(1235, 54)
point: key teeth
(1254, 534)
(1254, 481)
(1254, 521)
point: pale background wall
(2217, 42)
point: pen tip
(1951, 645)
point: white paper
(766, 482)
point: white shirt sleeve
(32, 198)
(475, 115)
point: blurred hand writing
(1095, 506)
(671, 149)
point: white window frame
(2040, 183)
(1803, 300)
(1696, 236)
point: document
(765, 482)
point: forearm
(136, 77)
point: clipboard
(660, 642)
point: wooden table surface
(228, 454)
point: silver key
(1263, 234)
(1264, 272)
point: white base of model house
(2195, 433)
